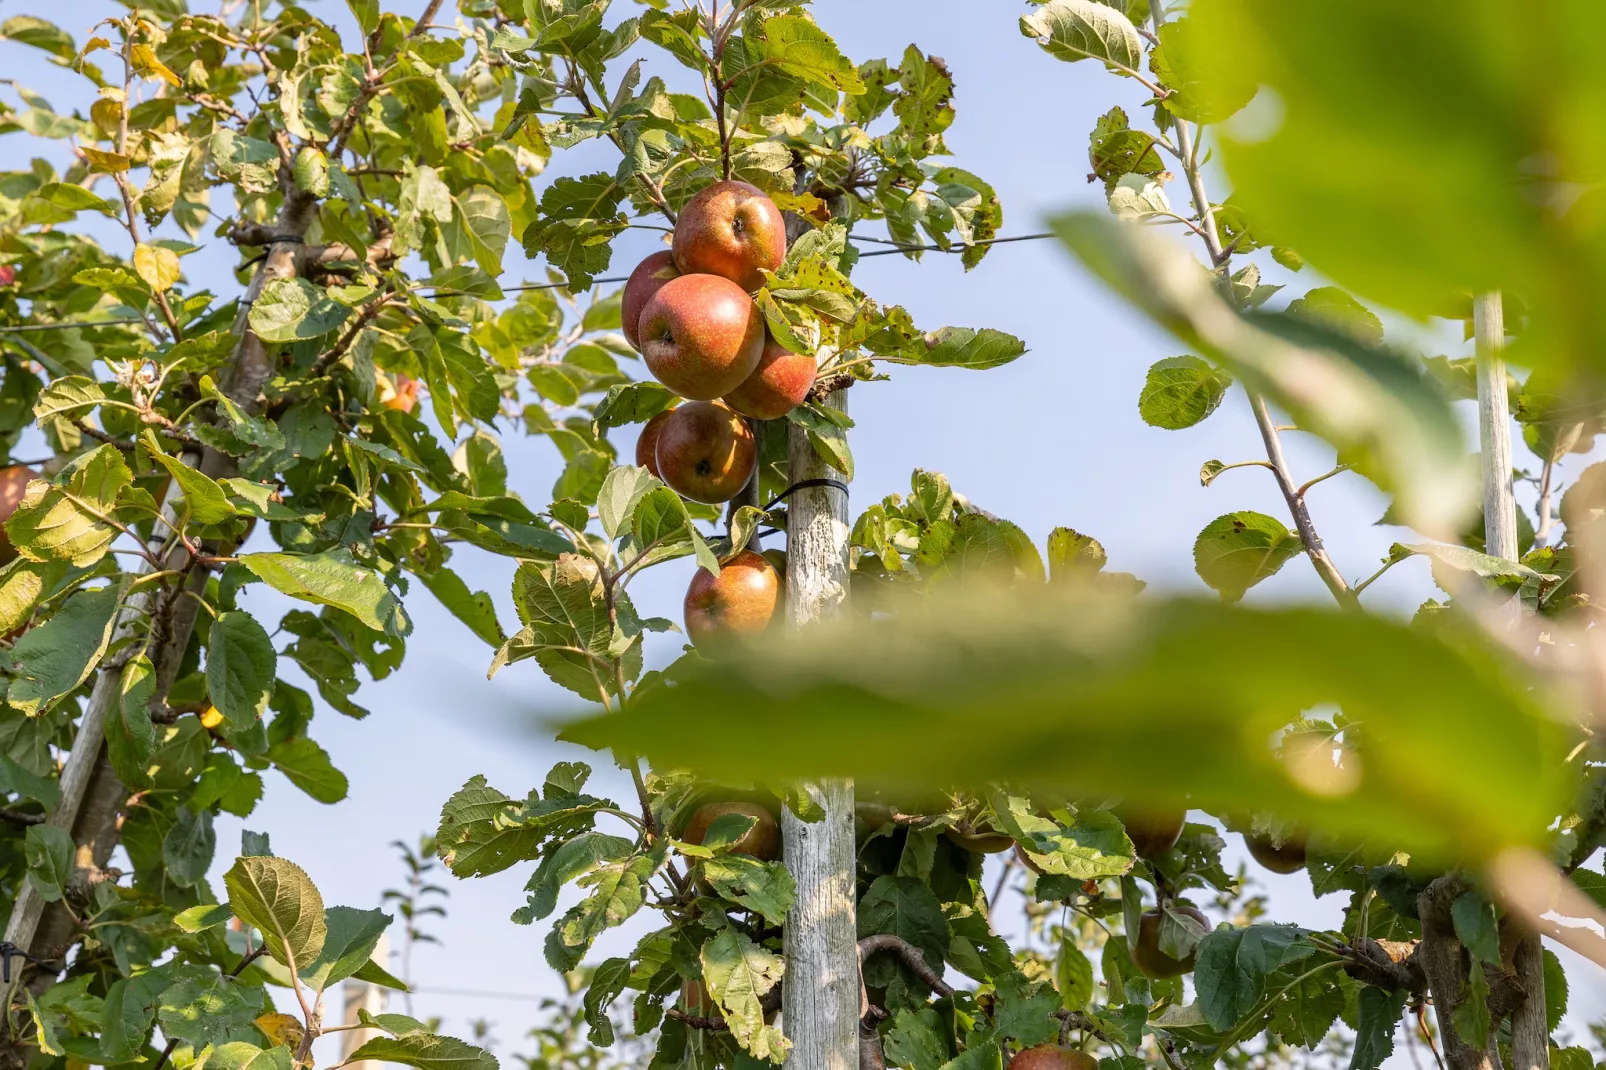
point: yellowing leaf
(282, 1030)
(102, 162)
(146, 65)
(157, 266)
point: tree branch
(910, 955)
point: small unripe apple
(1287, 857)
(8, 274)
(701, 336)
(762, 841)
(1052, 1057)
(648, 278)
(1152, 833)
(731, 229)
(741, 600)
(978, 838)
(706, 452)
(13, 486)
(777, 386)
(647, 443)
(1148, 957)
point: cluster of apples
(689, 311)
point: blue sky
(1053, 439)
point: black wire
(804, 484)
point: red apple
(701, 336)
(1052, 1057)
(648, 278)
(1285, 857)
(730, 229)
(1152, 833)
(706, 452)
(1148, 957)
(779, 383)
(402, 396)
(8, 274)
(13, 485)
(741, 600)
(762, 841)
(647, 443)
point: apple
(1152, 833)
(694, 999)
(733, 230)
(1052, 1057)
(647, 443)
(13, 485)
(701, 336)
(1287, 857)
(1148, 957)
(8, 274)
(705, 452)
(762, 841)
(778, 385)
(648, 278)
(978, 838)
(741, 600)
(402, 395)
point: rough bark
(820, 1005)
(1530, 1032)
(1445, 962)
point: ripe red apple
(730, 229)
(1147, 955)
(762, 841)
(647, 443)
(1052, 1057)
(741, 600)
(1152, 833)
(701, 336)
(648, 278)
(706, 452)
(402, 395)
(13, 485)
(779, 383)
(8, 274)
(1287, 857)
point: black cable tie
(804, 484)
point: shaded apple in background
(777, 386)
(13, 485)
(741, 600)
(1287, 857)
(647, 443)
(706, 452)
(1146, 954)
(731, 229)
(762, 841)
(701, 336)
(648, 278)
(978, 838)
(1053, 1057)
(1152, 834)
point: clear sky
(1053, 439)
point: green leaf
(1115, 150)
(571, 859)
(53, 659)
(765, 888)
(1307, 1011)
(1073, 30)
(617, 892)
(829, 439)
(1073, 556)
(67, 396)
(352, 936)
(157, 266)
(48, 851)
(241, 1055)
(1093, 846)
(208, 1009)
(965, 347)
(187, 848)
(22, 583)
(630, 403)
(907, 908)
(795, 45)
(333, 578)
(473, 608)
(1476, 926)
(366, 12)
(738, 973)
(1464, 559)
(1362, 400)
(1025, 1011)
(240, 667)
(916, 1040)
(480, 831)
(1199, 91)
(621, 490)
(426, 1051)
(489, 226)
(1169, 700)
(1237, 551)
(1179, 392)
(203, 917)
(67, 520)
(307, 766)
(289, 310)
(46, 36)
(1233, 965)
(278, 897)
(203, 496)
(1380, 1011)
(1332, 307)
(1073, 975)
(375, 974)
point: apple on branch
(731, 229)
(701, 336)
(741, 600)
(705, 452)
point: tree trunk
(820, 1005)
